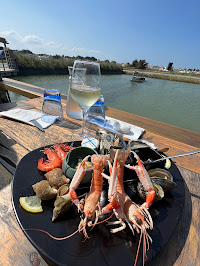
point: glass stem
(84, 121)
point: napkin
(114, 125)
(27, 116)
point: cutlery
(172, 156)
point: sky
(117, 30)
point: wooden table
(17, 139)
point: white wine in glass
(86, 91)
(85, 96)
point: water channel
(171, 102)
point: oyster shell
(158, 189)
(163, 178)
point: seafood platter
(98, 200)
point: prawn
(60, 152)
(145, 180)
(66, 147)
(91, 207)
(53, 161)
(137, 217)
(92, 203)
(76, 180)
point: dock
(8, 65)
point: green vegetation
(111, 68)
(141, 64)
(33, 65)
(30, 64)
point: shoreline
(165, 76)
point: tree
(135, 63)
(56, 56)
(142, 64)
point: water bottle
(96, 114)
(73, 110)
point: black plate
(102, 248)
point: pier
(8, 65)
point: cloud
(8, 33)
(32, 39)
(94, 51)
(77, 49)
(39, 45)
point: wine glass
(85, 91)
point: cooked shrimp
(53, 161)
(60, 152)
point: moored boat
(138, 79)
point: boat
(138, 79)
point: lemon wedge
(167, 163)
(31, 204)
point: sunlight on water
(175, 103)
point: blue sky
(121, 30)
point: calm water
(175, 103)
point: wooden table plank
(10, 149)
(15, 249)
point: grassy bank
(32, 65)
(173, 76)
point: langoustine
(91, 208)
(137, 217)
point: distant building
(42, 57)
(176, 69)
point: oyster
(138, 144)
(163, 178)
(159, 193)
(108, 140)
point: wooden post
(4, 95)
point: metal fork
(172, 156)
